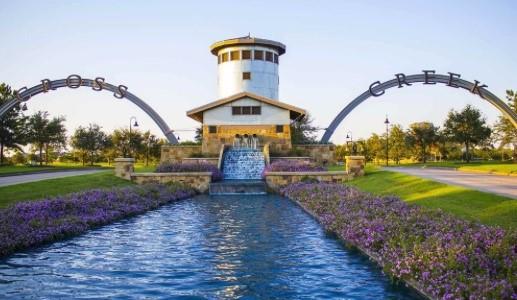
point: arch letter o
(74, 81)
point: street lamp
(387, 122)
(349, 136)
(134, 125)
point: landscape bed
(28, 224)
(442, 256)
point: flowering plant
(32, 223)
(169, 167)
(445, 257)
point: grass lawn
(483, 207)
(59, 186)
(141, 168)
(484, 166)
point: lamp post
(387, 122)
(349, 136)
(134, 125)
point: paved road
(496, 184)
(11, 180)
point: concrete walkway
(495, 184)
(17, 179)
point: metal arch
(55, 84)
(439, 78)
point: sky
(335, 50)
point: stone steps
(238, 187)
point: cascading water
(243, 163)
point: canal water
(250, 247)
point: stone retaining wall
(208, 160)
(321, 153)
(305, 159)
(277, 180)
(200, 181)
(175, 153)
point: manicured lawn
(485, 166)
(142, 168)
(484, 207)
(59, 186)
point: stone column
(355, 165)
(124, 167)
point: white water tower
(248, 64)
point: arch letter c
(372, 92)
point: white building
(248, 102)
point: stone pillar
(124, 167)
(355, 165)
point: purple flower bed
(287, 165)
(32, 223)
(169, 167)
(445, 257)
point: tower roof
(247, 41)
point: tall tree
(374, 148)
(505, 131)
(467, 127)
(303, 132)
(11, 124)
(199, 135)
(421, 136)
(90, 141)
(151, 143)
(397, 143)
(43, 132)
(120, 140)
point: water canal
(254, 247)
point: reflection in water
(207, 247)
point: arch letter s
(121, 92)
(98, 83)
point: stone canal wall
(200, 181)
(277, 180)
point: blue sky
(335, 49)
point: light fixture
(386, 121)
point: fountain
(242, 169)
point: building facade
(248, 112)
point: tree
(199, 135)
(397, 143)
(420, 136)
(90, 141)
(152, 146)
(467, 127)
(120, 140)
(12, 124)
(505, 131)
(303, 132)
(43, 132)
(374, 147)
